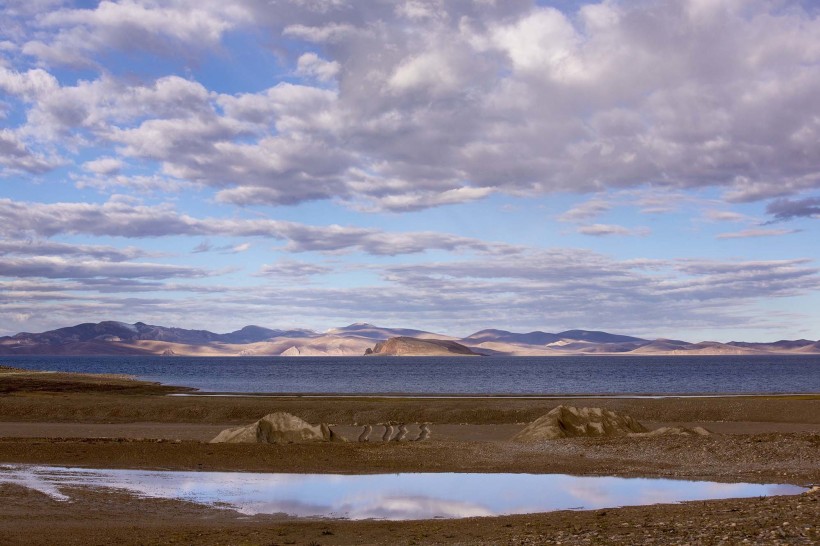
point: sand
(52, 418)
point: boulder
(568, 421)
(277, 428)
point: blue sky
(649, 168)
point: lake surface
(386, 496)
(480, 375)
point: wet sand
(65, 420)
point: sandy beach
(115, 422)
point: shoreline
(400, 357)
(427, 396)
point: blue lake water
(485, 375)
(386, 496)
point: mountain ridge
(120, 338)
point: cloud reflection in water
(385, 496)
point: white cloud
(16, 156)
(758, 232)
(129, 24)
(601, 230)
(103, 165)
(311, 65)
(502, 98)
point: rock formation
(365, 435)
(277, 428)
(568, 421)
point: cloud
(547, 289)
(787, 209)
(443, 103)
(16, 156)
(726, 216)
(311, 65)
(423, 200)
(759, 232)
(130, 24)
(121, 217)
(602, 230)
(60, 268)
(293, 269)
(586, 210)
(52, 248)
(103, 166)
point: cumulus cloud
(129, 24)
(399, 107)
(103, 165)
(311, 65)
(456, 100)
(15, 156)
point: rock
(679, 431)
(277, 428)
(568, 421)
(411, 346)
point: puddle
(385, 496)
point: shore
(117, 422)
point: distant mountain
(410, 346)
(783, 344)
(119, 338)
(111, 331)
(545, 338)
(662, 346)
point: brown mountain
(410, 346)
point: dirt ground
(115, 422)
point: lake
(618, 375)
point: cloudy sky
(646, 167)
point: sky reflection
(385, 496)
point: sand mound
(277, 428)
(568, 421)
(676, 431)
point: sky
(646, 167)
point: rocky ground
(54, 416)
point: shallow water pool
(403, 496)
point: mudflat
(117, 422)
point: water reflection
(385, 496)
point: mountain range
(119, 338)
